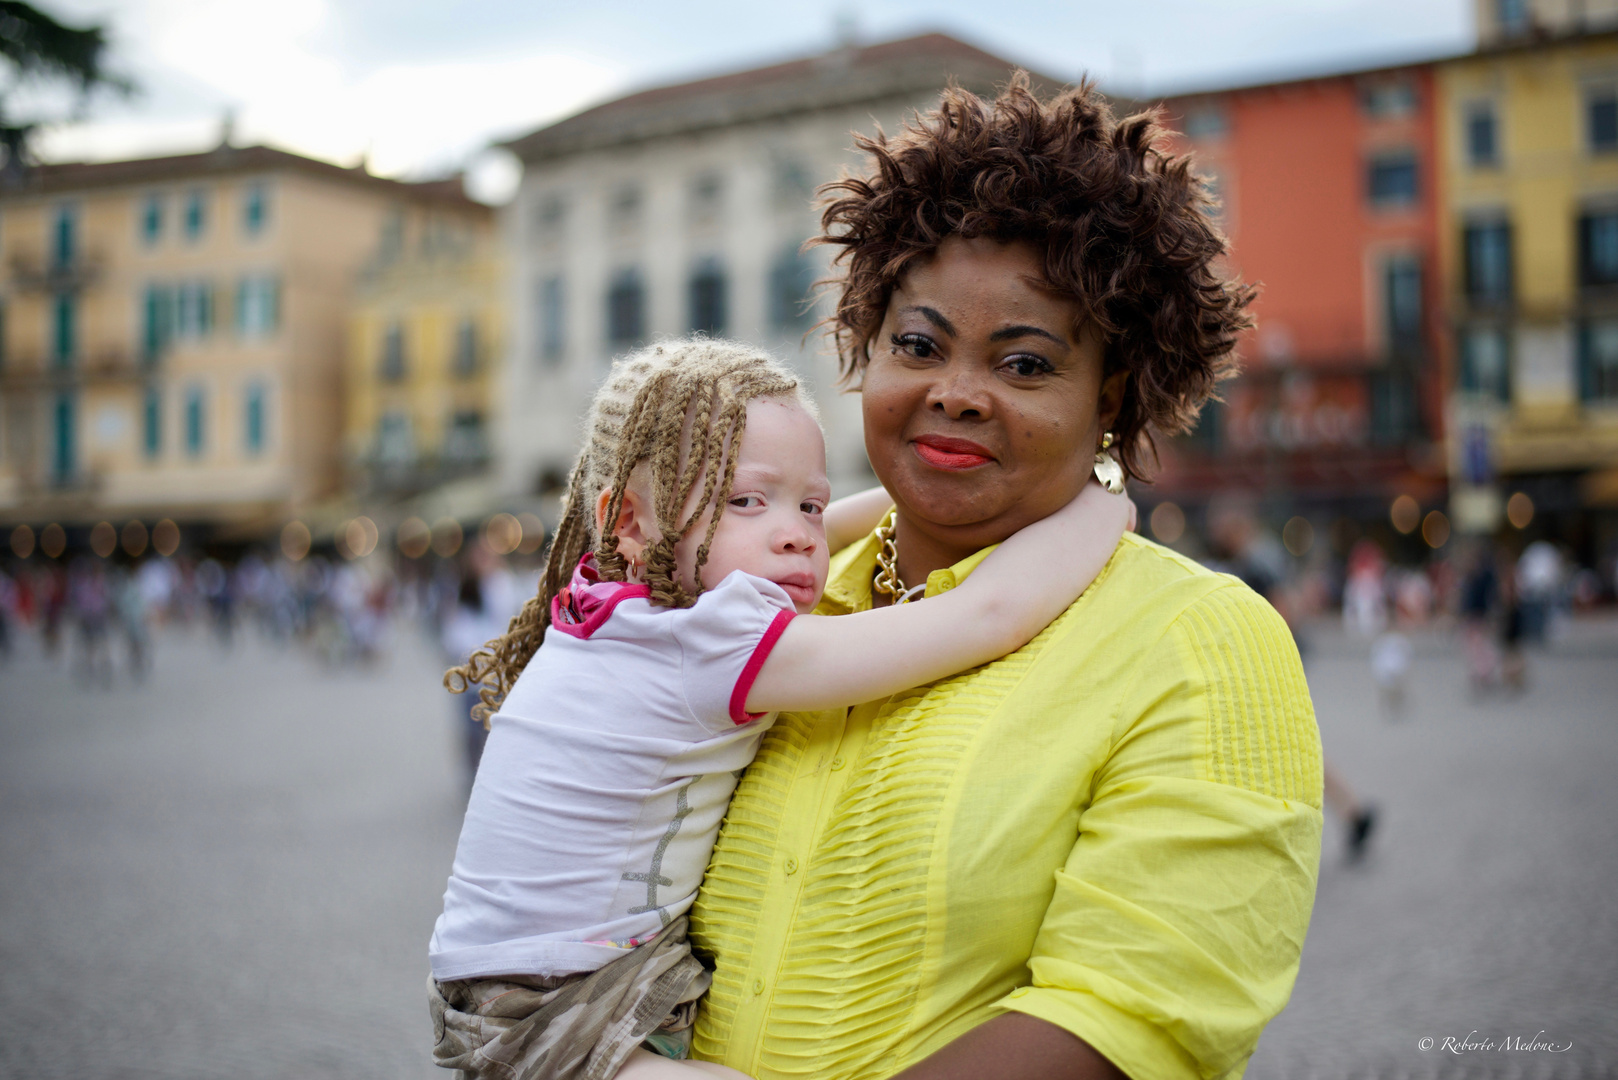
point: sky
(420, 88)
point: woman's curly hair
(1122, 225)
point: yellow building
(173, 333)
(424, 340)
(1529, 141)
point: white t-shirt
(607, 770)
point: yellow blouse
(1115, 828)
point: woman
(1096, 856)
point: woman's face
(984, 399)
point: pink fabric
(744, 685)
(580, 609)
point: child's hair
(681, 407)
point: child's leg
(645, 1065)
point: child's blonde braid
(641, 413)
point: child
(673, 613)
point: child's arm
(848, 519)
(1026, 582)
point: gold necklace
(887, 580)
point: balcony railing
(34, 272)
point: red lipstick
(943, 452)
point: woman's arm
(850, 518)
(1015, 1046)
(1025, 583)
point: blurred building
(684, 208)
(1329, 190)
(1529, 136)
(173, 332)
(424, 347)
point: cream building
(423, 348)
(684, 208)
(173, 333)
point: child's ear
(634, 527)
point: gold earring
(635, 567)
(1107, 469)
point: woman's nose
(959, 394)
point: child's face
(773, 526)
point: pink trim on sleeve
(744, 685)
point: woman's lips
(942, 452)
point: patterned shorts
(570, 1027)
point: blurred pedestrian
(1539, 588)
(1365, 597)
(214, 583)
(1358, 818)
(1480, 596)
(467, 626)
(1390, 667)
(90, 602)
(129, 604)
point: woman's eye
(811, 508)
(918, 345)
(1028, 366)
(746, 502)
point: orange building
(1328, 192)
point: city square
(232, 868)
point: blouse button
(792, 864)
(837, 762)
(758, 986)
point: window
(195, 418)
(1402, 297)
(1486, 363)
(395, 442)
(64, 237)
(258, 305)
(466, 347)
(64, 329)
(253, 420)
(1601, 119)
(393, 353)
(1214, 188)
(1598, 249)
(1392, 179)
(626, 309)
(552, 327)
(1512, 16)
(1389, 100)
(625, 206)
(794, 187)
(156, 322)
(196, 215)
(464, 443)
(152, 422)
(1598, 360)
(707, 193)
(791, 279)
(151, 220)
(255, 209)
(2, 334)
(1488, 262)
(706, 298)
(1206, 122)
(550, 214)
(1482, 142)
(193, 309)
(391, 242)
(64, 444)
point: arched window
(626, 309)
(706, 297)
(792, 279)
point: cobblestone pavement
(1488, 898)
(232, 870)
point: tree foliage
(38, 50)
